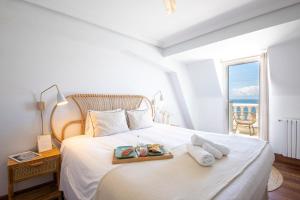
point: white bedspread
(86, 160)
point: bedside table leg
(56, 179)
(10, 184)
(57, 174)
(61, 196)
(10, 191)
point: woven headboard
(99, 102)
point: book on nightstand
(24, 156)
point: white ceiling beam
(274, 18)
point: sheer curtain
(264, 98)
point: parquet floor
(290, 189)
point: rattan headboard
(99, 102)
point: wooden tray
(167, 155)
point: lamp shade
(61, 100)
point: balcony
(244, 118)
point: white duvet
(87, 160)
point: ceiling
(245, 45)
(147, 21)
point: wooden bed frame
(99, 102)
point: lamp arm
(47, 90)
(41, 104)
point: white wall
(207, 101)
(180, 88)
(284, 61)
(39, 48)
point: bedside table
(48, 162)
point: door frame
(226, 64)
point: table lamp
(60, 100)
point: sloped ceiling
(147, 21)
(244, 45)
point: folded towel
(200, 155)
(210, 149)
(199, 141)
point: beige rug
(275, 180)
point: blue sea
(245, 101)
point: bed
(88, 173)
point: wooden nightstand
(48, 162)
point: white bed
(87, 172)
(86, 160)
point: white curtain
(264, 98)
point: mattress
(87, 160)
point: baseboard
(5, 197)
(282, 159)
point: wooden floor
(46, 191)
(290, 189)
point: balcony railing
(244, 118)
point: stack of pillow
(104, 123)
(204, 151)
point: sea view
(244, 101)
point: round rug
(275, 180)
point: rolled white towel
(199, 141)
(200, 155)
(210, 149)
(225, 150)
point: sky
(244, 81)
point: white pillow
(88, 123)
(102, 123)
(139, 119)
